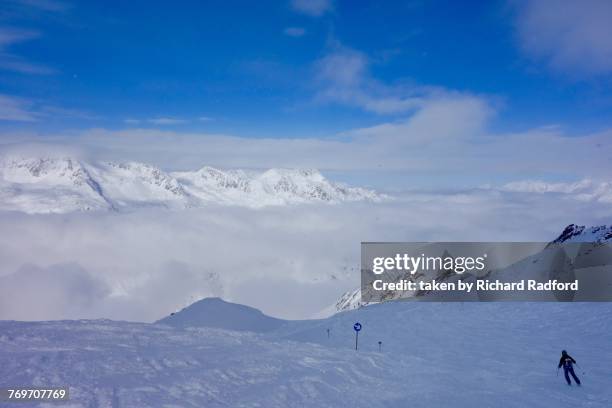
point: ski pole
(578, 365)
(557, 371)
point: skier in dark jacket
(568, 367)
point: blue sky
(318, 69)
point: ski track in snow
(434, 355)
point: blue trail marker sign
(357, 328)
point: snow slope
(215, 312)
(39, 185)
(60, 185)
(349, 300)
(433, 355)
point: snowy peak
(60, 185)
(271, 187)
(349, 301)
(137, 184)
(303, 183)
(64, 171)
(49, 185)
(579, 233)
(232, 179)
(147, 174)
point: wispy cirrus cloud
(294, 31)
(162, 121)
(571, 36)
(16, 109)
(16, 64)
(43, 5)
(165, 120)
(19, 109)
(10, 36)
(314, 8)
(20, 10)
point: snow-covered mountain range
(65, 184)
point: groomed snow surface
(433, 355)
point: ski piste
(499, 354)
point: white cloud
(161, 121)
(445, 143)
(294, 31)
(44, 5)
(16, 109)
(572, 36)
(445, 119)
(10, 36)
(16, 64)
(62, 290)
(313, 8)
(584, 190)
(61, 112)
(159, 260)
(166, 121)
(344, 66)
(541, 187)
(10, 62)
(344, 77)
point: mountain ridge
(64, 184)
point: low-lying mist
(289, 261)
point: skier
(568, 367)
